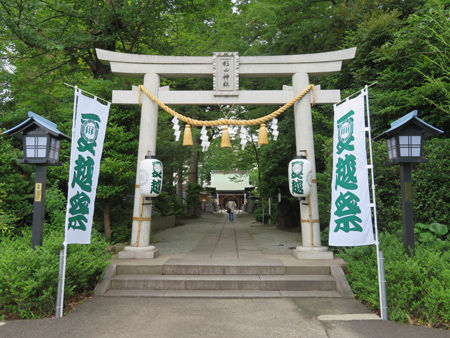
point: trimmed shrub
(258, 213)
(29, 278)
(431, 195)
(417, 287)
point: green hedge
(417, 287)
(29, 278)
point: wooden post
(407, 208)
(39, 206)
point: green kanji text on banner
(88, 135)
(351, 214)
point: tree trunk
(194, 209)
(193, 163)
(107, 220)
(255, 148)
(180, 182)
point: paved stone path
(212, 233)
(226, 240)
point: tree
(15, 188)
(51, 42)
(401, 44)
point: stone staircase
(251, 278)
(226, 261)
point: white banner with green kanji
(88, 134)
(351, 213)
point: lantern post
(404, 142)
(41, 147)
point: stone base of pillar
(316, 252)
(132, 252)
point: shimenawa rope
(227, 122)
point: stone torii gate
(225, 69)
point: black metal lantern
(41, 146)
(41, 140)
(404, 142)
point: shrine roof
(230, 180)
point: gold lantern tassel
(225, 143)
(187, 137)
(262, 137)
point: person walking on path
(231, 207)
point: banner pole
(58, 294)
(380, 257)
(61, 282)
(84, 91)
(75, 99)
(63, 253)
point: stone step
(221, 294)
(202, 269)
(247, 268)
(143, 269)
(224, 282)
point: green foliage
(427, 233)
(387, 187)
(417, 65)
(193, 203)
(431, 195)
(258, 213)
(15, 188)
(7, 220)
(406, 52)
(167, 204)
(29, 278)
(55, 207)
(417, 287)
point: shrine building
(230, 185)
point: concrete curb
(105, 283)
(342, 285)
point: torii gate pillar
(226, 91)
(147, 146)
(309, 209)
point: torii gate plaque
(226, 68)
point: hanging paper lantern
(151, 174)
(300, 176)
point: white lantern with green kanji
(151, 174)
(300, 177)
